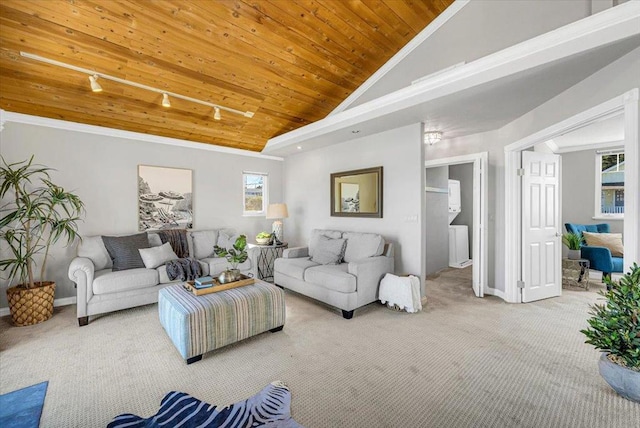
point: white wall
(103, 172)
(578, 191)
(399, 152)
(437, 220)
(609, 82)
(480, 28)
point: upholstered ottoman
(199, 324)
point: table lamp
(277, 212)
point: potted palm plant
(235, 255)
(615, 330)
(35, 213)
(573, 242)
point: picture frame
(357, 193)
(165, 198)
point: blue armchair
(600, 258)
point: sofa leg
(347, 314)
(194, 359)
(277, 329)
(82, 321)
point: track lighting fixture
(95, 86)
(165, 100)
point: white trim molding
(65, 301)
(7, 116)
(423, 35)
(627, 103)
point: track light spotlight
(165, 100)
(216, 113)
(95, 86)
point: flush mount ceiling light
(165, 100)
(95, 86)
(432, 137)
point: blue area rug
(23, 408)
(268, 408)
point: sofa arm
(369, 273)
(599, 257)
(295, 252)
(81, 271)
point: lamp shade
(277, 211)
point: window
(610, 184)
(254, 189)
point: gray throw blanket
(184, 269)
(177, 238)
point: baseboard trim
(65, 301)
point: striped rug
(268, 408)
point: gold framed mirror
(357, 193)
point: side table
(268, 255)
(575, 273)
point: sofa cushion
(293, 267)
(226, 238)
(156, 256)
(107, 281)
(123, 250)
(362, 245)
(328, 251)
(92, 247)
(217, 265)
(612, 241)
(332, 277)
(316, 233)
(203, 243)
(154, 239)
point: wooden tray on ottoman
(216, 287)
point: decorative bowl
(263, 241)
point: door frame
(628, 104)
(480, 163)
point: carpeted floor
(462, 362)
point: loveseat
(101, 289)
(341, 269)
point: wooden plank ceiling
(290, 62)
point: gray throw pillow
(123, 250)
(328, 251)
(157, 256)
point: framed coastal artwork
(165, 198)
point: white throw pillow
(157, 256)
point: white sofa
(101, 290)
(347, 285)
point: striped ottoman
(199, 324)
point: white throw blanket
(403, 291)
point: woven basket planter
(30, 306)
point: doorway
(479, 163)
(518, 266)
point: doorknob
(558, 234)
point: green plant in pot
(235, 255)
(35, 214)
(573, 241)
(615, 330)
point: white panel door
(541, 230)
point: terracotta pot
(624, 381)
(30, 306)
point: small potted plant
(615, 330)
(234, 255)
(263, 238)
(573, 241)
(35, 214)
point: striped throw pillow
(123, 250)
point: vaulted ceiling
(289, 62)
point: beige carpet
(462, 362)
